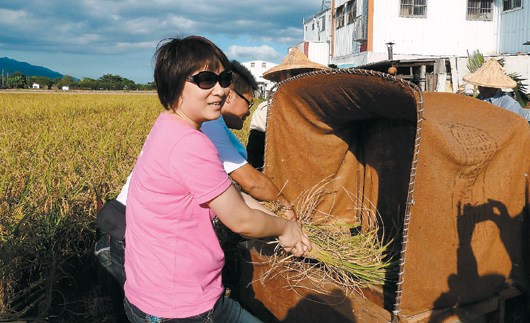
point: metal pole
(390, 48)
(423, 81)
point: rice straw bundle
(351, 261)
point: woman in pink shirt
(173, 260)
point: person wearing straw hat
(295, 63)
(491, 79)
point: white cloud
(143, 45)
(246, 53)
(11, 17)
(246, 30)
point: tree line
(18, 80)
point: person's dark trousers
(256, 149)
(117, 257)
(111, 246)
(116, 292)
(110, 250)
(226, 310)
(111, 256)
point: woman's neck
(181, 115)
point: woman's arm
(232, 210)
(259, 186)
(255, 204)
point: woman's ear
(229, 97)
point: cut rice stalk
(350, 261)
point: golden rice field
(59, 154)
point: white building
(257, 68)
(368, 32)
(317, 35)
(514, 28)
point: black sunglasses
(250, 104)
(206, 79)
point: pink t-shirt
(173, 259)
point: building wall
(519, 64)
(317, 52)
(515, 30)
(444, 31)
(257, 68)
(317, 37)
(318, 27)
(348, 39)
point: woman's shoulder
(169, 122)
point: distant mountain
(11, 66)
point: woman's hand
(294, 240)
(289, 213)
(287, 208)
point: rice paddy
(59, 154)
(62, 154)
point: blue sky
(90, 38)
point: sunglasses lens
(225, 79)
(206, 80)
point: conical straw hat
(491, 74)
(295, 60)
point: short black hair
(242, 79)
(177, 58)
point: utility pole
(2, 78)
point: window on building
(511, 4)
(359, 29)
(263, 65)
(413, 8)
(352, 11)
(480, 10)
(252, 64)
(339, 17)
(323, 23)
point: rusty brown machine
(450, 172)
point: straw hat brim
(490, 74)
(295, 60)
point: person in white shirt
(256, 138)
